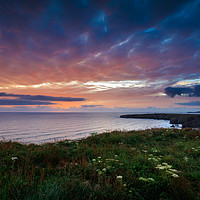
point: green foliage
(161, 164)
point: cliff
(187, 120)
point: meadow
(161, 164)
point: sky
(100, 55)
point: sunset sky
(100, 55)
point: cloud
(90, 106)
(99, 41)
(190, 103)
(6, 102)
(41, 97)
(186, 91)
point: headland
(187, 120)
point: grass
(152, 164)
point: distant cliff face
(187, 120)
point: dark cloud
(41, 97)
(190, 103)
(6, 102)
(56, 24)
(186, 91)
(90, 106)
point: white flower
(169, 166)
(93, 160)
(185, 158)
(143, 179)
(119, 177)
(164, 163)
(14, 158)
(173, 170)
(175, 175)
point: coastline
(187, 120)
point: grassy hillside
(151, 164)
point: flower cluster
(168, 169)
(154, 150)
(154, 158)
(106, 165)
(196, 149)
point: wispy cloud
(90, 106)
(190, 103)
(6, 102)
(41, 97)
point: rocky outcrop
(187, 120)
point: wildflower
(124, 185)
(164, 163)
(99, 157)
(175, 175)
(159, 166)
(14, 158)
(119, 177)
(93, 160)
(155, 150)
(173, 170)
(143, 179)
(104, 169)
(151, 179)
(162, 167)
(185, 158)
(169, 166)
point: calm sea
(48, 127)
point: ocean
(41, 128)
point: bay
(41, 128)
